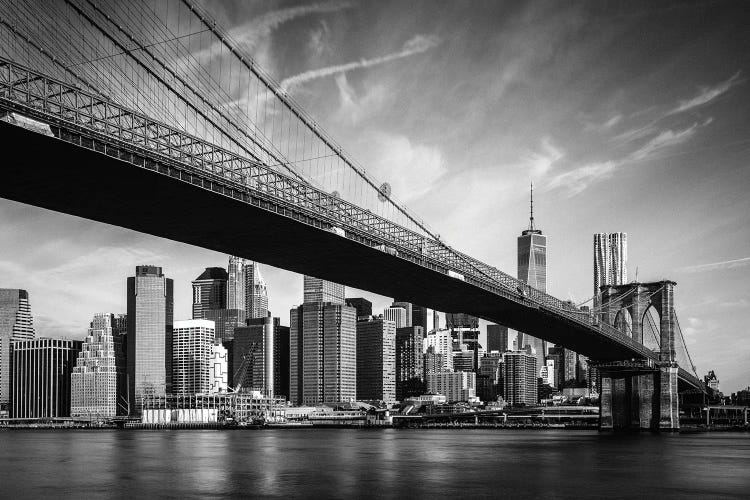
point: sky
(629, 117)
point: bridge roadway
(94, 169)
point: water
(343, 463)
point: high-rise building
(362, 305)
(464, 360)
(93, 383)
(409, 362)
(209, 291)
(461, 320)
(192, 350)
(236, 283)
(434, 362)
(254, 346)
(439, 342)
(419, 316)
(520, 378)
(323, 353)
(491, 376)
(376, 359)
(532, 270)
(150, 322)
(280, 359)
(320, 290)
(119, 324)
(256, 292)
(610, 260)
(16, 323)
(219, 368)
(398, 315)
(455, 386)
(226, 320)
(407, 306)
(497, 338)
(40, 385)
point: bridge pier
(634, 398)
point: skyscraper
(192, 350)
(41, 377)
(323, 353)
(520, 378)
(150, 323)
(532, 270)
(320, 290)
(461, 320)
(610, 260)
(280, 359)
(376, 359)
(219, 368)
(93, 383)
(409, 362)
(497, 338)
(236, 283)
(407, 306)
(398, 315)
(362, 305)
(16, 323)
(256, 292)
(209, 291)
(254, 346)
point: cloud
(416, 45)
(717, 266)
(582, 177)
(591, 126)
(318, 43)
(540, 162)
(663, 140)
(261, 27)
(706, 95)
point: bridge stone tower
(640, 393)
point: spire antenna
(531, 218)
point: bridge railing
(41, 97)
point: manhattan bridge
(147, 115)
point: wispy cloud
(261, 27)
(665, 139)
(706, 95)
(579, 179)
(542, 161)
(717, 266)
(416, 45)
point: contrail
(417, 45)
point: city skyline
(690, 223)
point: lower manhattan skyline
(649, 143)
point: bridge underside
(53, 174)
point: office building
(209, 291)
(519, 378)
(610, 260)
(409, 362)
(407, 306)
(419, 316)
(497, 338)
(464, 360)
(532, 270)
(236, 297)
(119, 324)
(280, 359)
(376, 359)
(150, 321)
(192, 352)
(398, 315)
(253, 355)
(218, 378)
(362, 305)
(320, 290)
(323, 353)
(40, 385)
(490, 378)
(16, 323)
(256, 292)
(461, 320)
(436, 362)
(93, 383)
(455, 386)
(440, 342)
(226, 320)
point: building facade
(42, 369)
(16, 323)
(376, 359)
(320, 290)
(256, 292)
(520, 378)
(398, 315)
(209, 291)
(362, 305)
(192, 350)
(281, 353)
(610, 260)
(455, 386)
(497, 338)
(149, 338)
(254, 346)
(93, 383)
(409, 362)
(218, 378)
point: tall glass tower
(15, 324)
(150, 323)
(610, 260)
(256, 292)
(532, 269)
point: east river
(346, 463)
